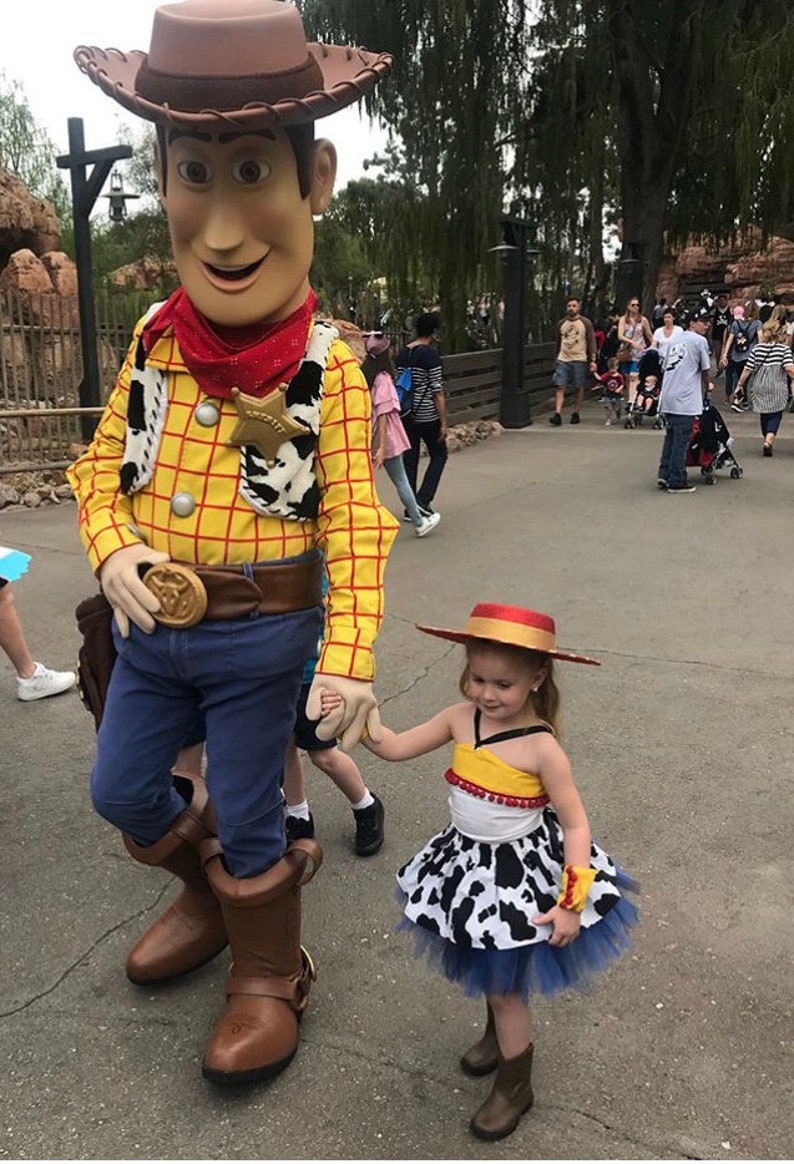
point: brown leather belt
(189, 593)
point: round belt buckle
(180, 592)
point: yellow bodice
(483, 774)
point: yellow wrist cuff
(576, 883)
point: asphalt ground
(681, 744)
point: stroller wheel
(709, 479)
(628, 422)
(736, 472)
(657, 424)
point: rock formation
(745, 266)
(25, 222)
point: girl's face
(499, 684)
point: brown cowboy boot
(268, 985)
(483, 1057)
(191, 931)
(511, 1095)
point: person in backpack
(426, 422)
(740, 338)
(389, 440)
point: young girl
(513, 896)
(389, 441)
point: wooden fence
(41, 369)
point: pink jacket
(385, 403)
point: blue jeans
(672, 466)
(243, 677)
(733, 370)
(395, 467)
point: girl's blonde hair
(545, 702)
(775, 325)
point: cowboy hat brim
(347, 75)
(464, 637)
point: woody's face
(242, 235)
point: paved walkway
(681, 743)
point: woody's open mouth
(233, 274)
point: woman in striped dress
(771, 365)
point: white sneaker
(428, 523)
(44, 682)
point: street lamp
(85, 191)
(118, 197)
(514, 411)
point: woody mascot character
(233, 453)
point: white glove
(124, 590)
(359, 710)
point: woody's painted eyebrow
(223, 138)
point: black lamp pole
(85, 191)
(514, 409)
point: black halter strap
(515, 734)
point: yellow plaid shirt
(352, 529)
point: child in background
(389, 441)
(368, 810)
(647, 394)
(612, 382)
(513, 896)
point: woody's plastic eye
(195, 172)
(251, 171)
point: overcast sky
(36, 46)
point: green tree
(27, 152)
(443, 107)
(669, 116)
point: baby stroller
(646, 402)
(709, 447)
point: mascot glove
(124, 590)
(359, 710)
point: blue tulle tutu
(531, 969)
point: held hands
(566, 923)
(351, 707)
(124, 590)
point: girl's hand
(330, 701)
(566, 923)
(379, 459)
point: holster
(97, 654)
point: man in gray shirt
(685, 384)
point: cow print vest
(288, 489)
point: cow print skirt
(471, 905)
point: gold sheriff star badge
(264, 423)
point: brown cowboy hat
(239, 62)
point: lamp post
(118, 197)
(85, 191)
(514, 411)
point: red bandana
(255, 359)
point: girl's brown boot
(511, 1095)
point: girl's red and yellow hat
(513, 625)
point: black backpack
(742, 340)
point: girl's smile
(500, 687)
